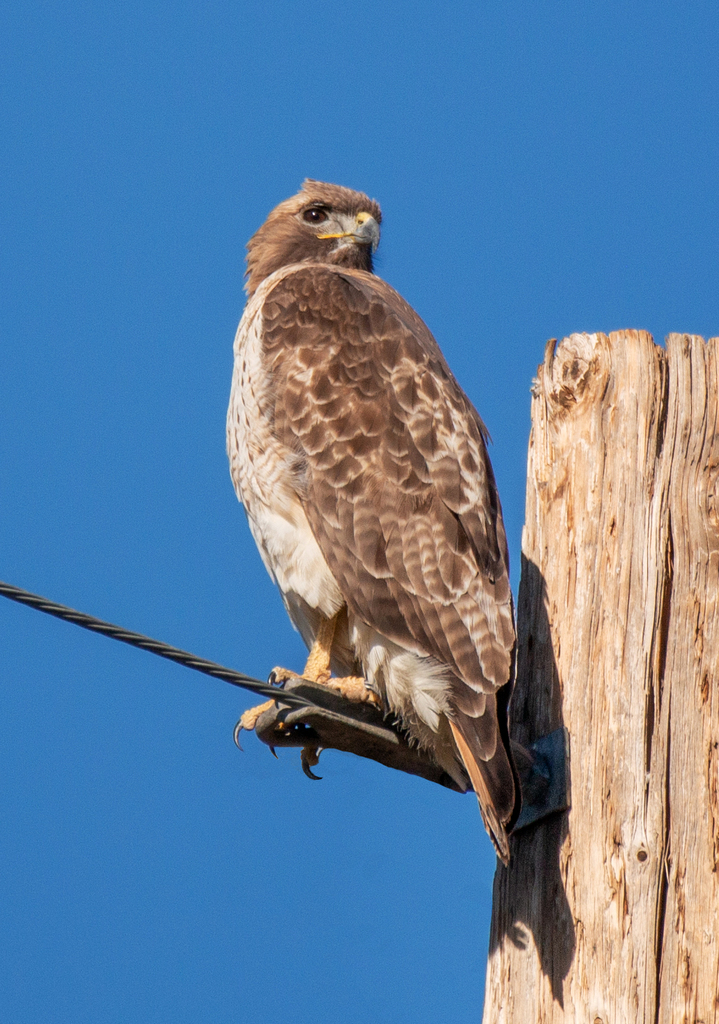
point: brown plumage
(364, 472)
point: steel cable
(146, 643)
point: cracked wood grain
(609, 913)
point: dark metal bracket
(544, 777)
(332, 722)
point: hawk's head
(322, 224)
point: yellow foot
(354, 688)
(249, 719)
(350, 687)
(278, 676)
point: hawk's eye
(315, 215)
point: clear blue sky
(543, 168)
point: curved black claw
(310, 756)
(236, 737)
(236, 734)
(280, 676)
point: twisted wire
(146, 643)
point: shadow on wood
(529, 900)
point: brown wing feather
(397, 485)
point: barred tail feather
(494, 781)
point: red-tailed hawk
(364, 473)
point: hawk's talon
(279, 676)
(249, 719)
(236, 734)
(310, 756)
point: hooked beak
(365, 232)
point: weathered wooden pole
(609, 913)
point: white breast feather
(261, 470)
